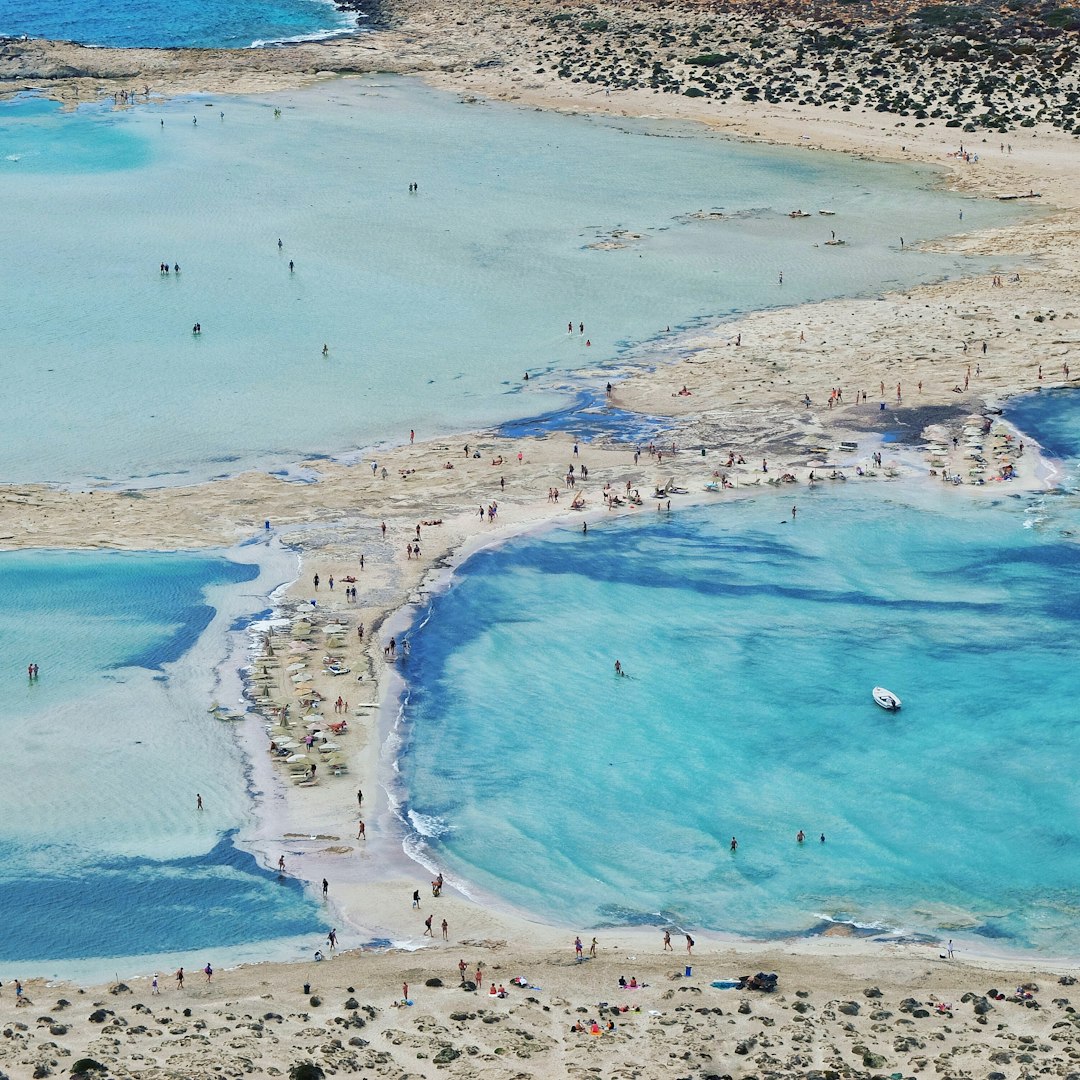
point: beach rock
(920, 1014)
(881, 1014)
(874, 1061)
(995, 1076)
(908, 1004)
(120, 988)
(849, 1008)
(434, 982)
(982, 1006)
(58, 1029)
(306, 1070)
(99, 1016)
(87, 1067)
(872, 992)
(744, 1008)
(63, 1003)
(468, 986)
(445, 1055)
(351, 1004)
(1067, 980)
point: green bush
(306, 1070)
(711, 59)
(947, 15)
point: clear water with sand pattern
(102, 850)
(752, 643)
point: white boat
(886, 698)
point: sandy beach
(838, 1010)
(940, 357)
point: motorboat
(886, 699)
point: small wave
(315, 35)
(428, 825)
(858, 929)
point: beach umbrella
(298, 666)
(298, 759)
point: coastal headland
(986, 97)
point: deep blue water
(142, 906)
(173, 23)
(1052, 417)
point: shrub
(711, 59)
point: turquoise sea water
(176, 23)
(752, 644)
(432, 304)
(102, 852)
(1053, 417)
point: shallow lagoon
(433, 304)
(102, 851)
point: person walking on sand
(361, 830)
(949, 949)
(427, 926)
(325, 888)
(445, 930)
(179, 978)
(462, 968)
(331, 939)
(154, 984)
(359, 791)
(281, 864)
(689, 945)
(208, 971)
(198, 801)
(416, 899)
(404, 991)
(592, 948)
(577, 950)
(667, 942)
